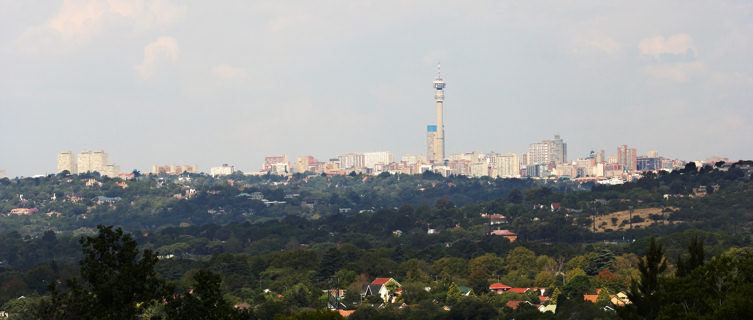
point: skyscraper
(435, 133)
(627, 158)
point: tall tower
(435, 134)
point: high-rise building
(370, 159)
(627, 158)
(547, 151)
(653, 154)
(435, 133)
(89, 161)
(67, 161)
(557, 149)
(508, 165)
(2, 173)
(351, 161)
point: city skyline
(160, 82)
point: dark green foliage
(472, 308)
(644, 293)
(694, 260)
(117, 281)
(204, 302)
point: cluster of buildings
(545, 159)
(173, 169)
(87, 161)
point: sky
(213, 82)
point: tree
(643, 293)
(694, 260)
(205, 300)
(453, 294)
(555, 296)
(117, 281)
(603, 297)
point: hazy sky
(212, 82)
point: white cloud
(678, 71)
(79, 21)
(226, 71)
(656, 46)
(605, 44)
(163, 50)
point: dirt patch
(620, 220)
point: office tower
(547, 151)
(435, 133)
(538, 153)
(66, 161)
(627, 158)
(278, 165)
(653, 154)
(370, 159)
(557, 149)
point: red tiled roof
(542, 298)
(503, 233)
(590, 297)
(514, 303)
(381, 280)
(518, 290)
(345, 313)
(498, 286)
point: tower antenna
(439, 70)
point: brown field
(605, 221)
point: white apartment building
(89, 161)
(508, 165)
(411, 159)
(222, 170)
(370, 159)
(2, 173)
(67, 161)
(350, 161)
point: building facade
(67, 161)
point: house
(499, 288)
(514, 304)
(495, 219)
(555, 206)
(24, 211)
(379, 287)
(108, 200)
(548, 308)
(465, 290)
(345, 313)
(509, 235)
(620, 299)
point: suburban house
(495, 219)
(499, 288)
(509, 235)
(103, 199)
(24, 211)
(379, 287)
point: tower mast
(439, 84)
